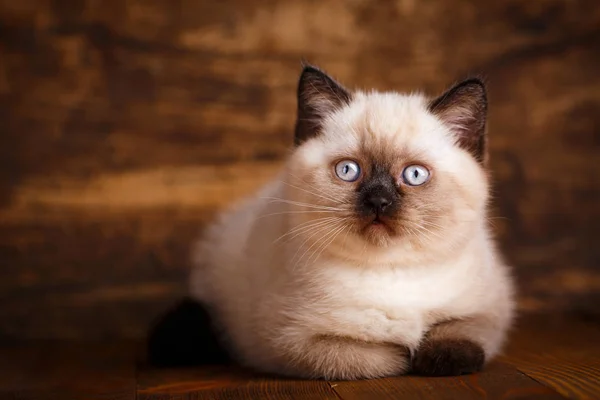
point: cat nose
(378, 203)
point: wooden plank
(497, 381)
(75, 241)
(561, 352)
(225, 383)
(195, 188)
(67, 371)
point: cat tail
(185, 336)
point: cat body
(369, 255)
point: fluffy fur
(300, 283)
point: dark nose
(378, 203)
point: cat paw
(448, 357)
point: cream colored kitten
(370, 254)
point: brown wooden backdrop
(125, 124)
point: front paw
(448, 357)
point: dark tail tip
(185, 336)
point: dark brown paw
(448, 357)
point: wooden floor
(547, 358)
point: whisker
(432, 224)
(298, 203)
(313, 221)
(310, 192)
(298, 230)
(297, 212)
(326, 197)
(317, 231)
(327, 233)
(346, 237)
(428, 231)
(323, 242)
(335, 235)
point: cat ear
(318, 96)
(463, 108)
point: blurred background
(124, 126)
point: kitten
(369, 255)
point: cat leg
(458, 346)
(345, 358)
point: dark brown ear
(318, 96)
(463, 108)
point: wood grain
(226, 383)
(497, 381)
(68, 371)
(127, 125)
(561, 352)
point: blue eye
(415, 175)
(347, 170)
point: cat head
(386, 170)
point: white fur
(272, 307)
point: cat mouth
(378, 220)
(378, 224)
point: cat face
(387, 170)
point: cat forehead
(379, 123)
